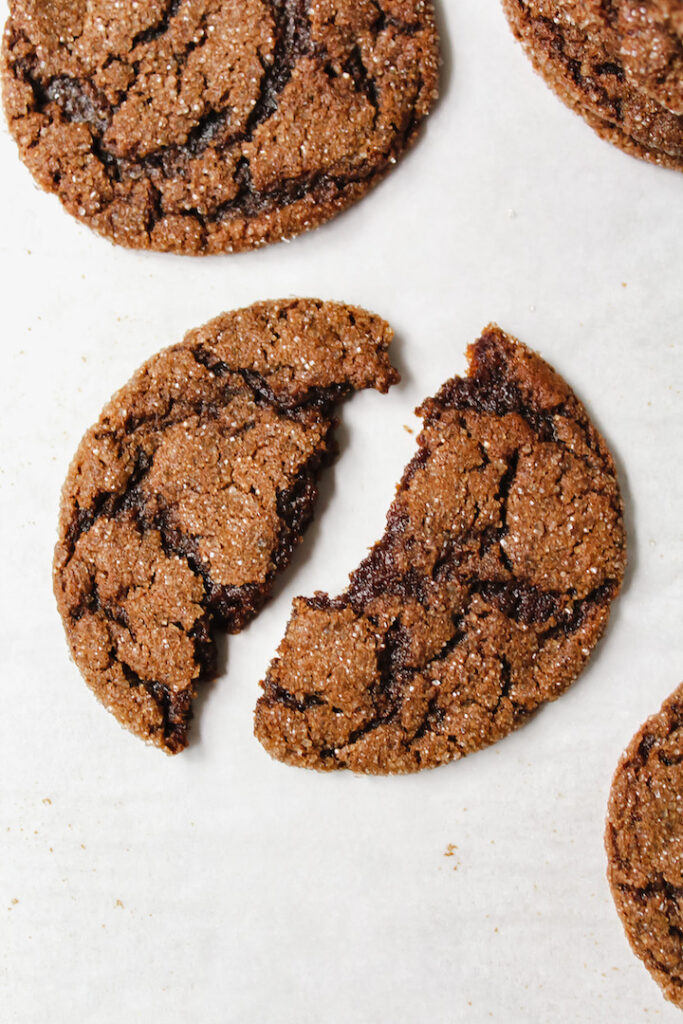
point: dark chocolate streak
(489, 389)
(293, 35)
(323, 399)
(81, 102)
(148, 35)
(589, 84)
(175, 708)
(492, 391)
(226, 607)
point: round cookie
(205, 126)
(644, 843)
(191, 492)
(503, 550)
(618, 64)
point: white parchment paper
(222, 887)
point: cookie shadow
(398, 361)
(632, 538)
(446, 51)
(206, 687)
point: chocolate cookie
(619, 64)
(503, 550)
(192, 490)
(204, 126)
(644, 842)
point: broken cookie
(205, 126)
(644, 843)
(191, 492)
(503, 550)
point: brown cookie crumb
(618, 63)
(205, 126)
(644, 843)
(191, 492)
(503, 550)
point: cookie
(191, 492)
(206, 126)
(503, 550)
(618, 64)
(644, 843)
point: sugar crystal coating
(203, 126)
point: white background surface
(219, 886)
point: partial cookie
(191, 492)
(644, 843)
(503, 551)
(618, 64)
(205, 126)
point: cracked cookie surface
(204, 126)
(191, 492)
(644, 843)
(618, 63)
(503, 550)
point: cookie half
(644, 843)
(191, 492)
(503, 551)
(618, 64)
(205, 126)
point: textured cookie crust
(204, 126)
(492, 584)
(192, 490)
(644, 843)
(617, 63)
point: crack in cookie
(193, 490)
(203, 126)
(503, 550)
